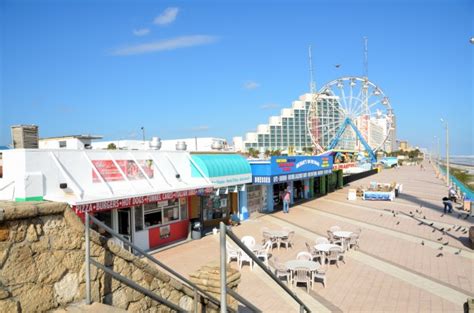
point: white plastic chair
(288, 241)
(245, 258)
(302, 275)
(249, 241)
(232, 253)
(280, 269)
(334, 255)
(304, 255)
(333, 239)
(320, 274)
(264, 252)
(314, 253)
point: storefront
(294, 173)
(147, 196)
(228, 173)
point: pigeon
(424, 217)
(440, 248)
(434, 229)
(449, 229)
(422, 243)
(440, 238)
(439, 254)
(337, 65)
(381, 215)
(458, 252)
(411, 213)
(459, 227)
(446, 243)
(442, 229)
(416, 210)
(420, 223)
(398, 222)
(442, 215)
(431, 224)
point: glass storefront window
(164, 212)
(214, 207)
(138, 218)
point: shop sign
(224, 181)
(111, 173)
(299, 164)
(128, 202)
(268, 180)
(341, 166)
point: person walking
(447, 205)
(286, 202)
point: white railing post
(88, 261)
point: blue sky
(205, 68)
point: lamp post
(143, 133)
(447, 150)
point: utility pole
(447, 151)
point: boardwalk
(391, 272)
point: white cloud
(167, 44)
(269, 106)
(167, 17)
(141, 32)
(251, 85)
(201, 128)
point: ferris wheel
(350, 113)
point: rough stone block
(9, 306)
(50, 270)
(31, 235)
(4, 232)
(66, 288)
(4, 251)
(35, 298)
(19, 255)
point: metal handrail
(130, 283)
(149, 257)
(243, 300)
(224, 231)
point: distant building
(202, 144)
(77, 142)
(403, 145)
(289, 130)
(24, 136)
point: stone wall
(42, 264)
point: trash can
(196, 229)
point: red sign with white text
(128, 202)
(130, 169)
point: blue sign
(299, 164)
(283, 169)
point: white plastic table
(294, 264)
(344, 235)
(324, 247)
(278, 235)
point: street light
(143, 133)
(447, 150)
(437, 153)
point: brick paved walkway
(391, 272)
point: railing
(200, 296)
(223, 262)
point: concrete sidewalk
(392, 272)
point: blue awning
(222, 170)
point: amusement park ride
(350, 113)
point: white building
(289, 129)
(68, 142)
(201, 144)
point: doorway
(124, 225)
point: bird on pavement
(442, 215)
(439, 254)
(440, 238)
(431, 224)
(458, 252)
(446, 243)
(440, 248)
(434, 229)
(442, 229)
(398, 222)
(422, 243)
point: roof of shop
(217, 165)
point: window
(62, 144)
(138, 218)
(164, 212)
(214, 207)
